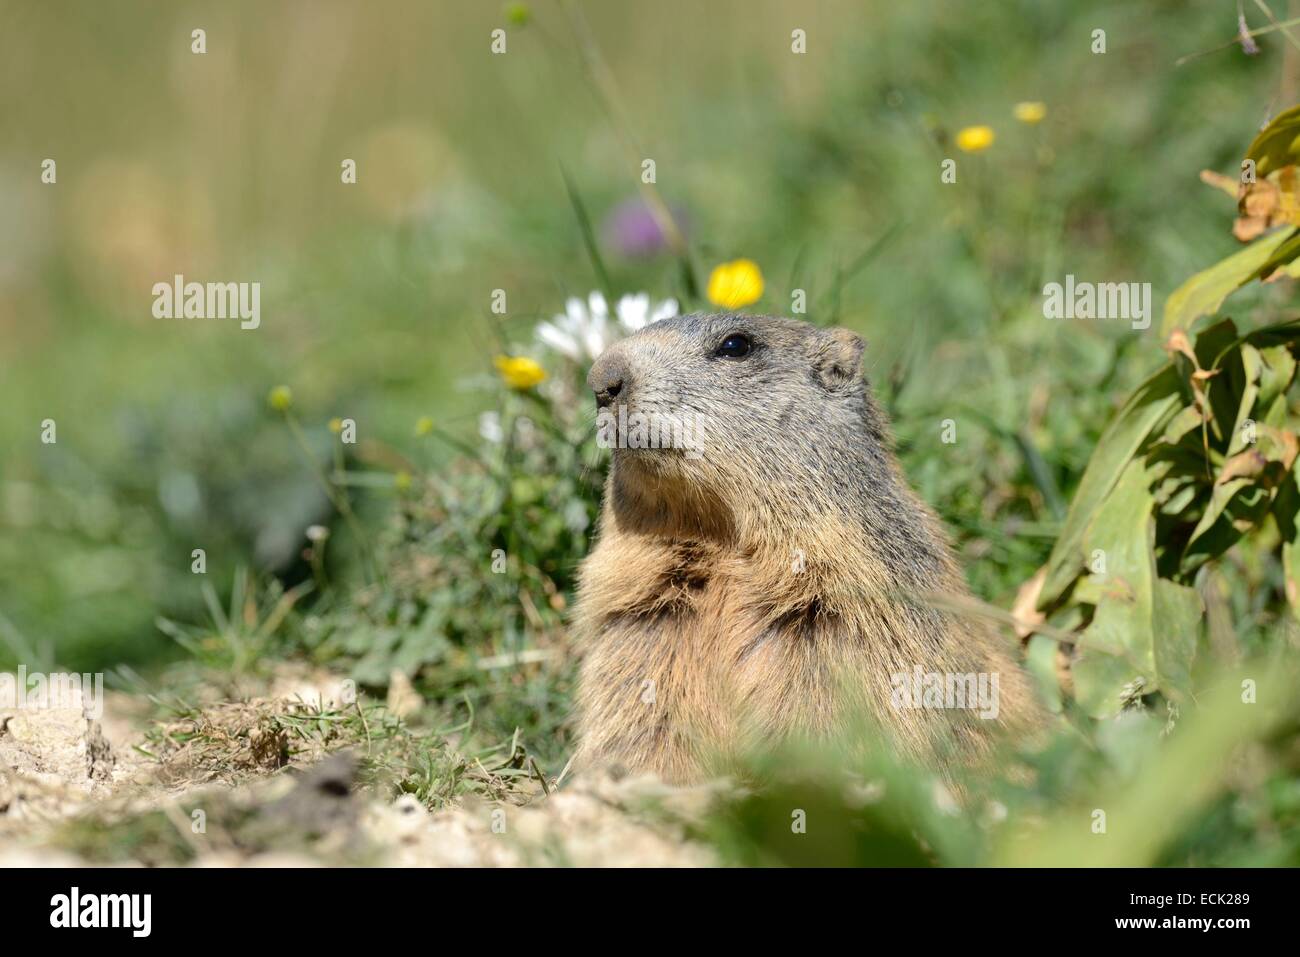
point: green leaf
(1176, 618)
(1040, 662)
(1234, 507)
(1277, 144)
(1144, 632)
(1237, 500)
(1286, 507)
(1283, 257)
(1251, 367)
(1123, 533)
(1216, 348)
(1277, 374)
(1204, 293)
(1181, 424)
(1103, 683)
(1156, 398)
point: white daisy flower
(586, 329)
(489, 427)
(634, 311)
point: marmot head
(716, 407)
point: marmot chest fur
(761, 565)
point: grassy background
(225, 166)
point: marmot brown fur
(767, 584)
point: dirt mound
(55, 762)
(257, 783)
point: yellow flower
(336, 426)
(423, 425)
(735, 284)
(519, 372)
(973, 139)
(402, 480)
(1031, 112)
(280, 398)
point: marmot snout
(760, 559)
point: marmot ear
(837, 358)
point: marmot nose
(607, 379)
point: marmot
(768, 583)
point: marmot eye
(735, 346)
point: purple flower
(633, 231)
